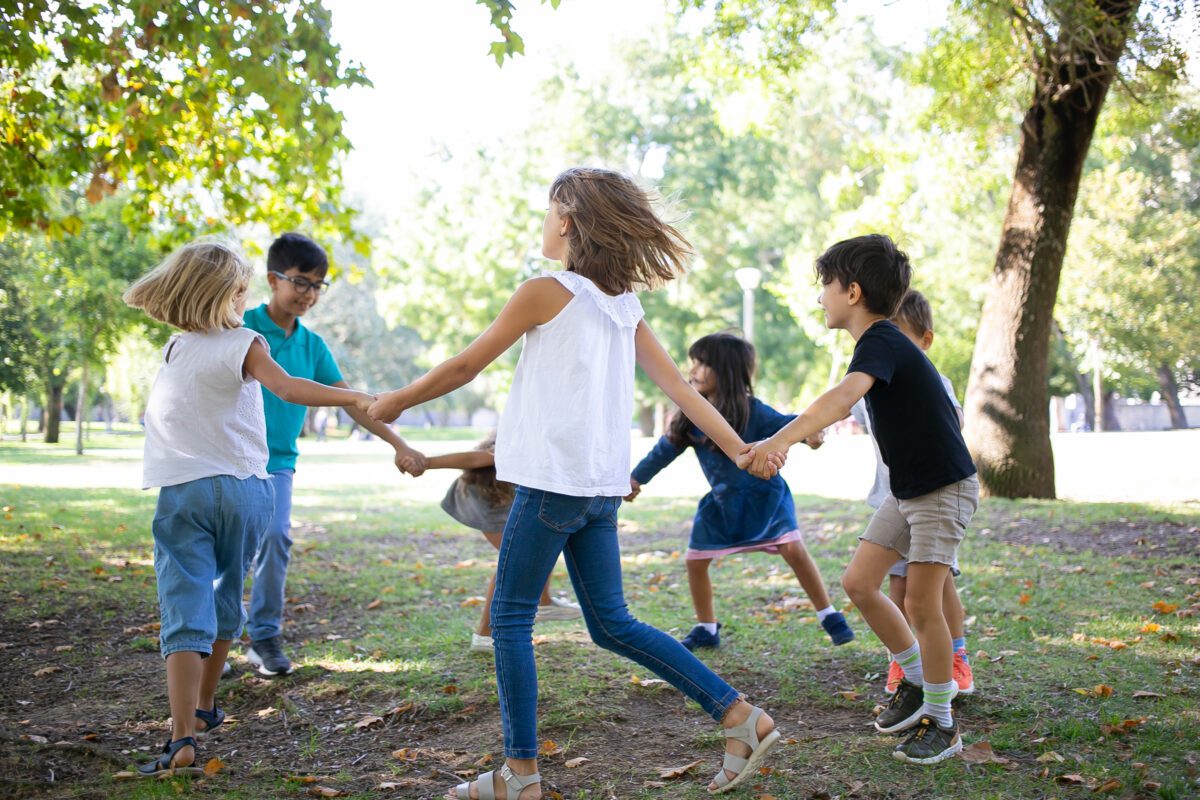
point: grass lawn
(1083, 630)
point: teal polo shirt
(302, 355)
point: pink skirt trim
(766, 546)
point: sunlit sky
(437, 87)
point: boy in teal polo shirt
(296, 268)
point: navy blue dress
(741, 512)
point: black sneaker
(700, 637)
(266, 656)
(903, 710)
(929, 743)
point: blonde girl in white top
(564, 441)
(206, 452)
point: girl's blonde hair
(616, 239)
(194, 289)
(496, 492)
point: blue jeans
(540, 526)
(205, 532)
(271, 563)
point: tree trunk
(81, 409)
(1089, 399)
(24, 416)
(1170, 395)
(1109, 411)
(1008, 423)
(54, 408)
(646, 419)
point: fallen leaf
(263, 713)
(1050, 755)
(1024, 598)
(549, 748)
(671, 773)
(537, 640)
(1102, 690)
(484, 760)
(374, 604)
(1110, 785)
(325, 791)
(1151, 786)
(368, 722)
(1163, 607)
(850, 695)
(1151, 627)
(451, 689)
(981, 753)
(553, 795)
(404, 754)
(1070, 780)
(1138, 695)
(403, 708)
(387, 786)
(304, 778)
(124, 776)
(35, 738)
(64, 648)
(471, 602)
(44, 671)
(575, 762)
(636, 681)
(213, 766)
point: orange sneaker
(895, 675)
(962, 673)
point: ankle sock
(825, 612)
(910, 662)
(960, 644)
(711, 627)
(937, 702)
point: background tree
(206, 114)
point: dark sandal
(211, 719)
(162, 765)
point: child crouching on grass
(206, 451)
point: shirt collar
(264, 321)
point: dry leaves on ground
(576, 762)
(549, 748)
(368, 722)
(981, 753)
(671, 773)
(213, 766)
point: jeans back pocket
(562, 512)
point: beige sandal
(743, 768)
(514, 784)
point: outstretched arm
(825, 410)
(659, 367)
(262, 367)
(470, 459)
(406, 459)
(536, 302)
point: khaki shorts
(926, 529)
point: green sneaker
(929, 743)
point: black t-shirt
(914, 422)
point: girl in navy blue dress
(742, 513)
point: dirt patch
(1137, 539)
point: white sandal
(742, 768)
(514, 784)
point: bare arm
(260, 366)
(825, 410)
(658, 366)
(536, 302)
(407, 459)
(471, 459)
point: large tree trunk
(1170, 395)
(1008, 421)
(54, 408)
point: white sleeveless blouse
(566, 426)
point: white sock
(910, 662)
(711, 627)
(937, 702)
(825, 612)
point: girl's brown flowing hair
(616, 239)
(496, 492)
(731, 359)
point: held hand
(387, 406)
(635, 489)
(763, 459)
(363, 401)
(815, 440)
(411, 461)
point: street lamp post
(748, 278)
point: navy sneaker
(700, 637)
(838, 629)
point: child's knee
(856, 586)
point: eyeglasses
(302, 286)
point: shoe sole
(949, 752)
(891, 691)
(172, 772)
(969, 690)
(751, 769)
(261, 668)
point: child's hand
(387, 406)
(763, 459)
(635, 489)
(816, 440)
(411, 461)
(363, 401)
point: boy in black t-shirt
(933, 494)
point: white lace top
(204, 416)
(566, 425)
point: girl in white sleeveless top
(206, 453)
(564, 441)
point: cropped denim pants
(205, 532)
(269, 590)
(541, 525)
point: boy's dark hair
(915, 312)
(299, 251)
(874, 262)
(731, 359)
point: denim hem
(726, 703)
(222, 636)
(520, 753)
(203, 648)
